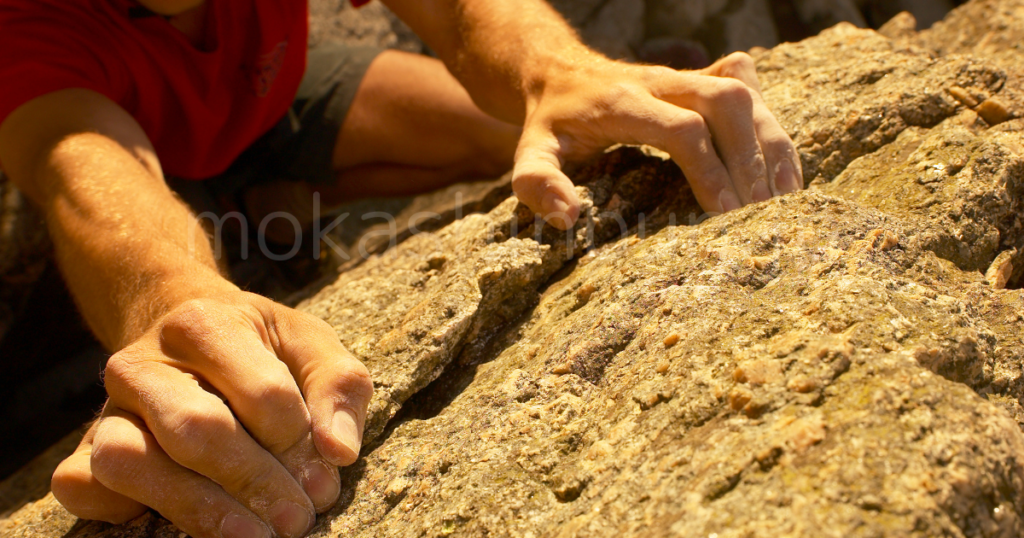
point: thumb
(538, 180)
(337, 387)
(76, 488)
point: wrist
(164, 295)
(558, 71)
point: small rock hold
(561, 369)
(754, 408)
(395, 489)
(882, 239)
(583, 294)
(961, 95)
(803, 384)
(648, 400)
(662, 366)
(759, 262)
(993, 111)
(758, 372)
(998, 274)
(870, 502)
(671, 340)
(739, 398)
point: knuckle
(113, 451)
(302, 321)
(192, 432)
(654, 74)
(118, 369)
(620, 92)
(249, 481)
(689, 124)
(356, 379)
(733, 92)
(195, 320)
(279, 397)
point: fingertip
(322, 484)
(728, 200)
(787, 179)
(559, 212)
(343, 441)
(75, 488)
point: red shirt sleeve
(358, 3)
(41, 56)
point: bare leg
(411, 128)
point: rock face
(845, 361)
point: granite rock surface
(845, 361)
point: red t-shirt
(200, 108)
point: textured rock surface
(336, 21)
(845, 361)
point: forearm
(502, 51)
(129, 250)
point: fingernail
(346, 430)
(728, 200)
(556, 211)
(321, 485)
(760, 191)
(786, 179)
(290, 519)
(239, 526)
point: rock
(827, 363)
(876, 89)
(410, 311)
(902, 25)
(336, 21)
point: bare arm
(227, 413)
(521, 62)
(130, 251)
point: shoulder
(56, 44)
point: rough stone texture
(336, 21)
(845, 361)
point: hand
(229, 417)
(713, 123)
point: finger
(75, 487)
(785, 175)
(224, 349)
(738, 65)
(259, 388)
(198, 431)
(727, 106)
(538, 180)
(127, 459)
(784, 171)
(685, 136)
(337, 387)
